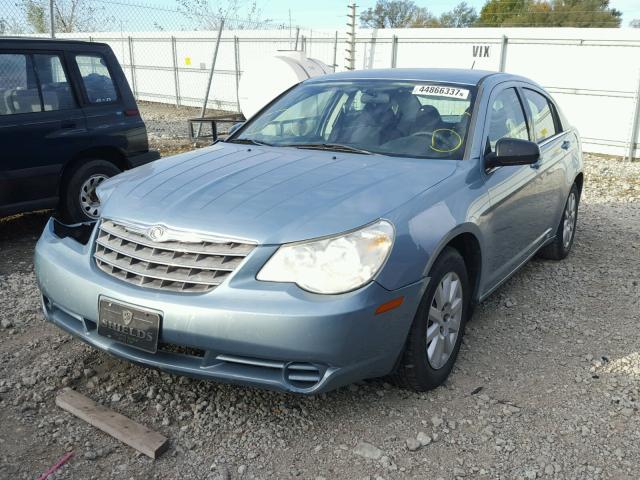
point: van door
(39, 120)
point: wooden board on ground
(133, 434)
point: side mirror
(513, 151)
(235, 127)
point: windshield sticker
(441, 91)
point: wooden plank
(133, 434)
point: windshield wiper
(249, 141)
(335, 147)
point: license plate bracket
(131, 325)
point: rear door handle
(67, 124)
(565, 145)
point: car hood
(265, 194)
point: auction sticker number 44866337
(441, 91)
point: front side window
(506, 118)
(544, 125)
(395, 118)
(56, 91)
(96, 78)
(18, 85)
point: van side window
(544, 124)
(506, 118)
(97, 80)
(56, 91)
(18, 86)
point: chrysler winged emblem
(156, 234)
(127, 316)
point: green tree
(549, 13)
(36, 16)
(397, 14)
(69, 16)
(462, 15)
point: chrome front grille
(190, 265)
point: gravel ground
(547, 384)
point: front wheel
(436, 333)
(79, 202)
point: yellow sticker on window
(187, 61)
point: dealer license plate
(134, 326)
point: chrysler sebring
(344, 232)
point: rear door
(111, 112)
(39, 118)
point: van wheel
(79, 202)
(566, 231)
(436, 333)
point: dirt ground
(547, 384)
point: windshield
(413, 119)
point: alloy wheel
(569, 220)
(445, 317)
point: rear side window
(56, 91)
(96, 78)
(507, 118)
(18, 85)
(544, 123)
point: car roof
(45, 41)
(451, 75)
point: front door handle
(565, 145)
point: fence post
(52, 20)
(176, 73)
(297, 36)
(335, 52)
(303, 43)
(394, 51)
(635, 125)
(213, 66)
(236, 49)
(503, 53)
(133, 69)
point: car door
(39, 116)
(513, 230)
(555, 145)
(103, 104)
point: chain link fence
(167, 54)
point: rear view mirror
(513, 151)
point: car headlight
(335, 264)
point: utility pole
(351, 51)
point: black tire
(415, 370)
(71, 207)
(559, 249)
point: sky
(332, 13)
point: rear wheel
(436, 333)
(566, 231)
(79, 202)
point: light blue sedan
(344, 232)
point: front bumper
(248, 332)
